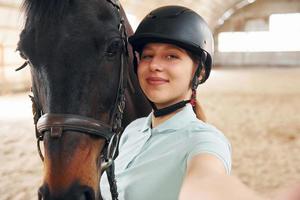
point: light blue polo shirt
(152, 162)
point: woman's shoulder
(206, 138)
(198, 128)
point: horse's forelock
(52, 11)
(45, 10)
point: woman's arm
(206, 179)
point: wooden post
(2, 72)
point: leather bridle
(56, 124)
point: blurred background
(253, 94)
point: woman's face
(165, 72)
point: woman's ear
(202, 75)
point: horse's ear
(115, 3)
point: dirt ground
(257, 109)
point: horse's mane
(46, 11)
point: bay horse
(81, 74)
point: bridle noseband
(58, 123)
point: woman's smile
(155, 80)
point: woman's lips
(156, 80)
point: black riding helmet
(179, 26)
(182, 27)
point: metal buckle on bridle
(111, 152)
(109, 166)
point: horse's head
(74, 49)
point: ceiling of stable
(213, 11)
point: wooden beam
(10, 5)
(9, 28)
(1, 56)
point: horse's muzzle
(75, 192)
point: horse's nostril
(40, 194)
(74, 192)
(82, 197)
(86, 195)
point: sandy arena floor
(257, 109)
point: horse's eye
(113, 49)
(110, 54)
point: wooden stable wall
(260, 59)
(1, 56)
(2, 74)
(10, 80)
(259, 10)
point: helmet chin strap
(169, 109)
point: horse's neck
(136, 104)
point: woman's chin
(157, 97)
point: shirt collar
(177, 121)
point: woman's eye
(171, 57)
(146, 57)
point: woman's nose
(155, 64)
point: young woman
(171, 154)
(174, 47)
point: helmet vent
(151, 16)
(176, 14)
(181, 12)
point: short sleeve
(214, 143)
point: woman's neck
(159, 120)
